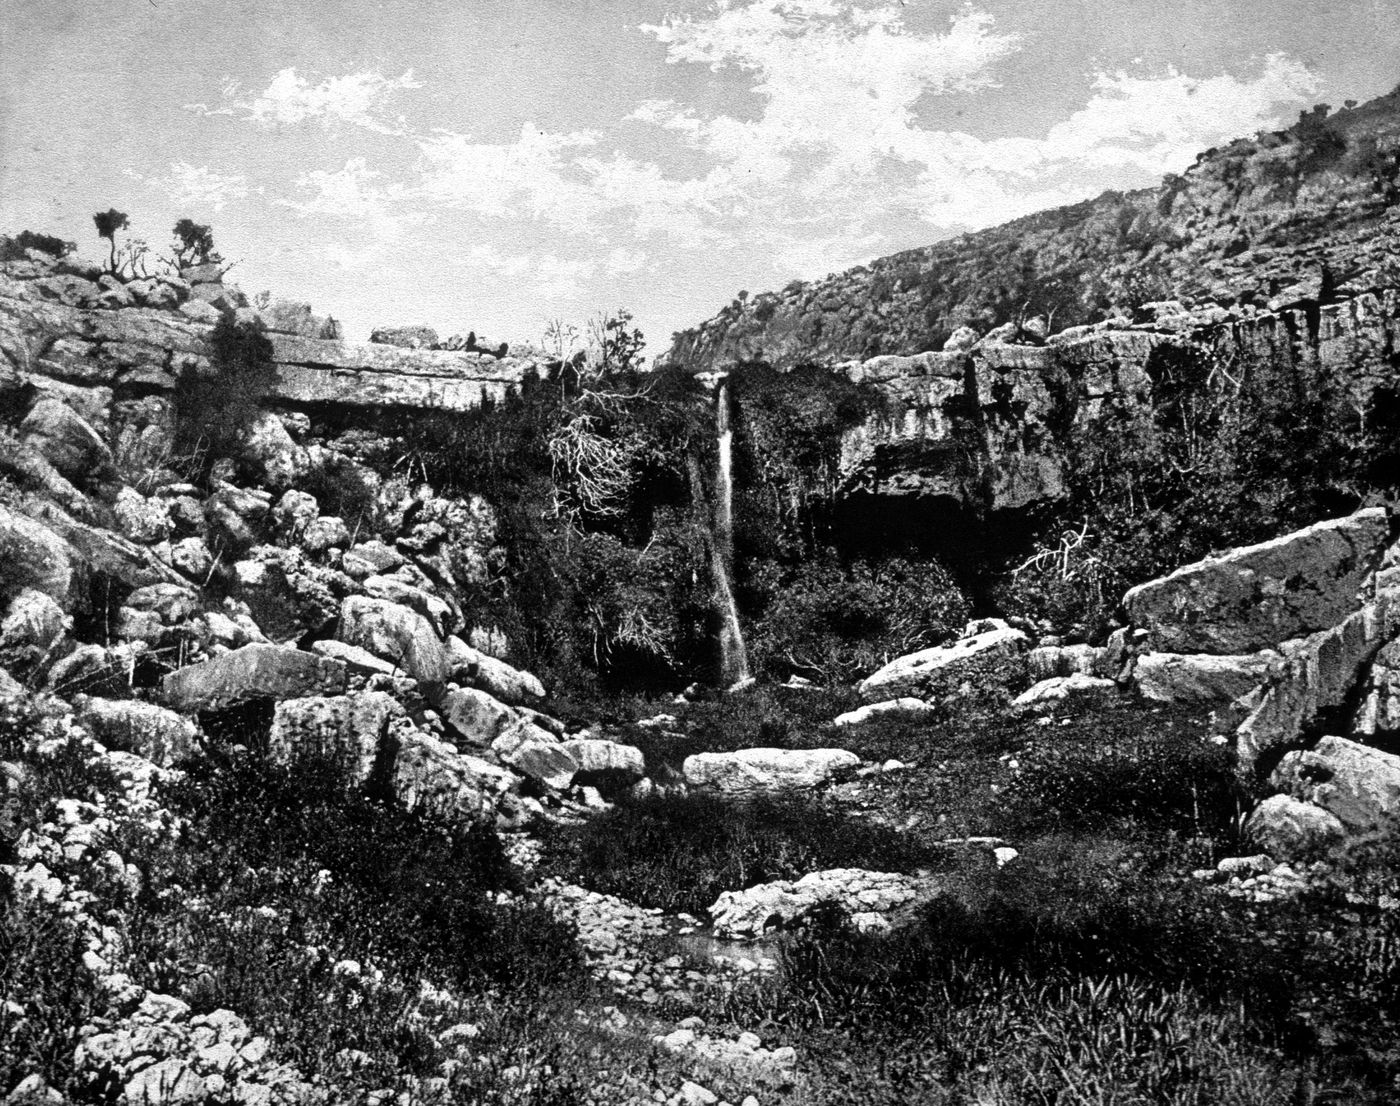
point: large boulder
(477, 669)
(1261, 595)
(160, 735)
(141, 519)
(1357, 784)
(350, 730)
(397, 634)
(430, 776)
(1290, 828)
(926, 673)
(606, 763)
(274, 458)
(394, 590)
(537, 754)
(1318, 677)
(286, 596)
(67, 441)
(252, 672)
(32, 626)
(871, 900)
(475, 716)
(33, 556)
(1201, 677)
(762, 771)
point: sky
(496, 166)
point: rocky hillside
(1246, 224)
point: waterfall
(733, 657)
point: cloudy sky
(495, 164)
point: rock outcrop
(931, 671)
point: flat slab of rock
(1201, 677)
(920, 674)
(252, 672)
(1260, 595)
(760, 771)
(476, 669)
(907, 708)
(872, 900)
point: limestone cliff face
(993, 428)
(114, 352)
(1241, 226)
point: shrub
(14, 247)
(216, 407)
(194, 244)
(834, 623)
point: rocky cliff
(992, 427)
(1246, 224)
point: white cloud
(355, 193)
(197, 186)
(544, 276)
(356, 99)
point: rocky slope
(1246, 224)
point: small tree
(108, 223)
(194, 244)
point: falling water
(733, 657)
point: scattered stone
(873, 900)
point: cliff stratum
(1246, 222)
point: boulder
(872, 901)
(1258, 596)
(33, 556)
(394, 590)
(902, 709)
(1059, 688)
(32, 626)
(325, 533)
(372, 558)
(286, 596)
(760, 771)
(160, 735)
(1048, 661)
(1201, 677)
(605, 762)
(191, 558)
(1357, 784)
(67, 441)
(142, 520)
(295, 511)
(350, 730)
(252, 672)
(1286, 827)
(273, 457)
(475, 716)
(927, 672)
(430, 776)
(358, 661)
(510, 685)
(94, 670)
(1317, 677)
(535, 753)
(398, 634)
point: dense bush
(215, 407)
(834, 623)
(14, 247)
